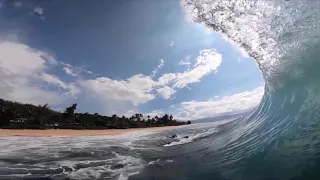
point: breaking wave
(283, 131)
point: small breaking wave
(188, 138)
(115, 157)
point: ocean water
(98, 157)
(279, 140)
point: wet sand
(72, 132)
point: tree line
(28, 116)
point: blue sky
(121, 57)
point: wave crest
(274, 33)
(283, 37)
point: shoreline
(73, 132)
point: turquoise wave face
(280, 139)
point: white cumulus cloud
(235, 103)
(38, 10)
(154, 113)
(140, 89)
(23, 72)
(72, 88)
(19, 59)
(166, 92)
(208, 62)
(68, 70)
(136, 89)
(51, 79)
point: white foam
(125, 177)
(131, 166)
(191, 138)
(153, 162)
(88, 173)
(12, 147)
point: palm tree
(138, 118)
(68, 113)
(165, 119)
(153, 120)
(171, 119)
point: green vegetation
(15, 115)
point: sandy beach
(71, 132)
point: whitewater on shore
(117, 156)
